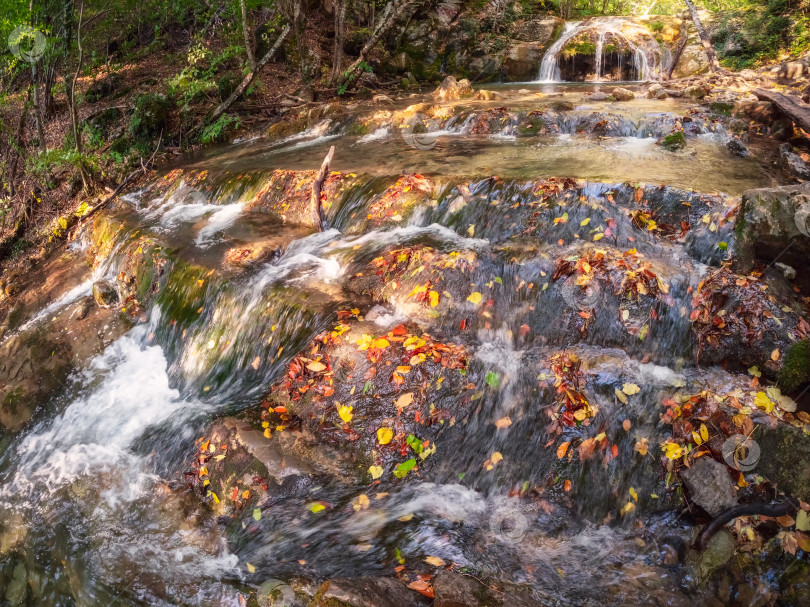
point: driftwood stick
(317, 185)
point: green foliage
(218, 131)
(44, 163)
(151, 115)
(674, 141)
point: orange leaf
(567, 485)
(562, 449)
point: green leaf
(367, 388)
(414, 443)
(493, 381)
(722, 246)
(402, 470)
(257, 514)
(498, 280)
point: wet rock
(718, 552)
(793, 162)
(674, 93)
(622, 94)
(18, 586)
(656, 91)
(268, 451)
(673, 142)
(484, 95)
(562, 106)
(367, 592)
(104, 294)
(255, 253)
(81, 310)
(599, 97)
(451, 89)
(523, 61)
(787, 271)
(774, 222)
(736, 147)
(710, 485)
(694, 92)
(785, 458)
(456, 590)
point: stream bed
(460, 386)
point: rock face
(774, 222)
(709, 485)
(532, 39)
(451, 89)
(693, 61)
(456, 590)
(621, 94)
(793, 162)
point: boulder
(710, 485)
(673, 142)
(104, 294)
(656, 91)
(599, 97)
(693, 61)
(621, 94)
(736, 147)
(774, 222)
(793, 162)
(451, 89)
(785, 459)
(453, 589)
(694, 91)
(523, 61)
(483, 95)
(381, 100)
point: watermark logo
(741, 452)
(581, 298)
(420, 132)
(27, 43)
(508, 521)
(275, 593)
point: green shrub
(218, 131)
(151, 115)
(227, 85)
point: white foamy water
(220, 221)
(379, 134)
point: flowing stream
(101, 497)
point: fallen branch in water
(787, 506)
(791, 107)
(317, 185)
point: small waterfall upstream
(649, 59)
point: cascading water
(649, 59)
(161, 473)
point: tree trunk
(248, 43)
(678, 52)
(714, 64)
(38, 108)
(72, 96)
(390, 14)
(248, 80)
(793, 108)
(340, 34)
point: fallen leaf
(475, 298)
(435, 561)
(630, 389)
(345, 413)
(775, 355)
(626, 425)
(384, 435)
(375, 471)
(403, 401)
(502, 423)
(256, 362)
(316, 366)
(562, 449)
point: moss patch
(795, 370)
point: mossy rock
(151, 115)
(674, 141)
(721, 108)
(795, 369)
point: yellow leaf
(630, 389)
(475, 298)
(361, 503)
(628, 508)
(598, 236)
(375, 471)
(316, 366)
(704, 432)
(621, 396)
(673, 451)
(250, 568)
(384, 435)
(345, 412)
(496, 457)
(633, 493)
(404, 400)
(762, 401)
(435, 561)
(434, 299)
(381, 343)
(585, 221)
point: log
(796, 110)
(317, 186)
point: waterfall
(648, 58)
(549, 68)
